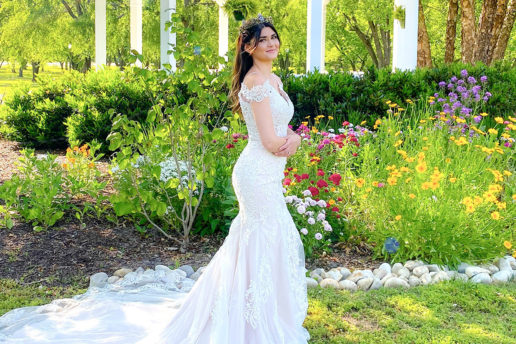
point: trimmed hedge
(75, 107)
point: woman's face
(268, 46)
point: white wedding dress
(253, 291)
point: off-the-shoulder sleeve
(257, 93)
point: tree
(451, 30)
(424, 56)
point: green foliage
(43, 190)
(164, 165)
(341, 95)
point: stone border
(410, 274)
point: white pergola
(404, 42)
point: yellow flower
(393, 105)
(91, 165)
(408, 101)
(492, 131)
(69, 150)
(514, 254)
(425, 148)
(392, 180)
(448, 160)
(368, 189)
(422, 121)
(360, 182)
(470, 208)
(495, 215)
(398, 217)
(363, 122)
(514, 197)
(501, 205)
(331, 202)
(460, 120)
(425, 138)
(507, 244)
(506, 173)
(421, 167)
(425, 186)
(65, 166)
(483, 114)
(434, 185)
(461, 141)
(330, 117)
(453, 180)
(412, 196)
(499, 120)
(387, 102)
(332, 189)
(375, 183)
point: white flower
(331, 130)
(301, 209)
(318, 236)
(115, 169)
(307, 193)
(304, 231)
(288, 199)
(434, 198)
(328, 228)
(321, 203)
(311, 221)
(309, 213)
(224, 128)
(321, 216)
(342, 130)
(284, 190)
(313, 202)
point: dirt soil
(67, 254)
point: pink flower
(320, 172)
(335, 209)
(321, 183)
(381, 185)
(304, 176)
(230, 145)
(335, 178)
(345, 123)
(313, 191)
(287, 181)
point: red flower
(320, 172)
(230, 145)
(290, 168)
(339, 199)
(345, 123)
(313, 190)
(334, 209)
(235, 140)
(335, 178)
(338, 216)
(311, 182)
(285, 174)
(321, 183)
(326, 190)
(355, 154)
(304, 176)
(287, 181)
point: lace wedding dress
(253, 291)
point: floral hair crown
(247, 24)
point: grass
(447, 312)
(9, 80)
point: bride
(253, 291)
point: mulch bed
(67, 254)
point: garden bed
(67, 254)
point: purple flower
(465, 95)
(442, 84)
(452, 95)
(436, 95)
(461, 89)
(450, 86)
(464, 73)
(483, 78)
(460, 82)
(507, 144)
(485, 98)
(440, 100)
(488, 94)
(456, 105)
(472, 80)
(476, 88)
(477, 97)
(463, 131)
(453, 79)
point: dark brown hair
(244, 61)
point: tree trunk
(485, 27)
(424, 57)
(35, 69)
(377, 44)
(87, 64)
(20, 72)
(505, 32)
(451, 31)
(13, 67)
(501, 10)
(468, 29)
(62, 65)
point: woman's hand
(289, 148)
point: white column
(223, 30)
(136, 27)
(316, 34)
(404, 45)
(100, 33)
(168, 39)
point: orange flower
(507, 244)
(65, 166)
(91, 165)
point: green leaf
(123, 208)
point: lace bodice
(282, 108)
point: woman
(253, 291)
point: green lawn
(8, 79)
(448, 312)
